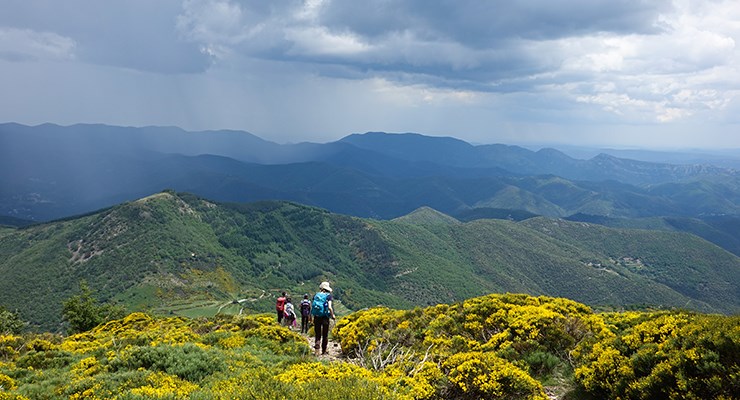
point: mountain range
(176, 253)
(50, 171)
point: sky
(612, 73)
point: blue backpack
(320, 305)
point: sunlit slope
(179, 254)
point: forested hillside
(177, 253)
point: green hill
(684, 262)
(427, 215)
(722, 230)
(179, 254)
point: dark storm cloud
(465, 44)
(478, 23)
(137, 34)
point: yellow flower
(163, 385)
(6, 383)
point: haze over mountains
(50, 171)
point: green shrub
(541, 363)
(53, 358)
(82, 312)
(188, 361)
(10, 322)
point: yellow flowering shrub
(659, 331)
(232, 342)
(276, 383)
(82, 343)
(277, 333)
(413, 380)
(86, 388)
(7, 383)
(136, 328)
(356, 329)
(86, 367)
(537, 330)
(668, 355)
(342, 374)
(161, 385)
(11, 396)
(479, 375)
(9, 347)
(606, 371)
(39, 345)
(279, 339)
(487, 347)
(85, 380)
(308, 372)
(243, 383)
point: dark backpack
(320, 305)
(305, 308)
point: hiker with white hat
(322, 311)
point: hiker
(322, 310)
(305, 313)
(290, 316)
(280, 307)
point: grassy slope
(178, 254)
(722, 230)
(684, 262)
(446, 262)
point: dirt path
(333, 348)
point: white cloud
(25, 44)
(684, 72)
(420, 95)
(319, 41)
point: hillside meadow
(507, 346)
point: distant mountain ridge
(49, 172)
(175, 253)
(458, 153)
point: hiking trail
(333, 348)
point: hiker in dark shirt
(280, 307)
(305, 313)
(322, 310)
